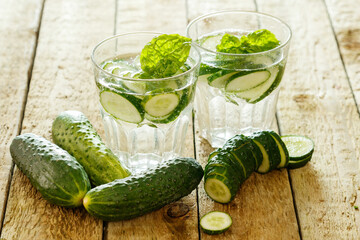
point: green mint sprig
(164, 55)
(257, 41)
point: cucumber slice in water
(220, 78)
(161, 102)
(215, 222)
(122, 106)
(300, 150)
(256, 94)
(244, 81)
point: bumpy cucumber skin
(56, 174)
(72, 131)
(140, 194)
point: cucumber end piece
(86, 201)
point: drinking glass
(237, 93)
(145, 120)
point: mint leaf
(164, 55)
(229, 44)
(258, 41)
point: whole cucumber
(72, 131)
(51, 170)
(140, 194)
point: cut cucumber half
(220, 78)
(161, 102)
(261, 91)
(300, 150)
(244, 81)
(122, 106)
(215, 222)
(284, 153)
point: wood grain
(263, 207)
(316, 100)
(19, 23)
(62, 79)
(178, 220)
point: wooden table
(45, 68)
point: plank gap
(197, 190)
(115, 16)
(22, 112)
(291, 186)
(341, 57)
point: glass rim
(282, 45)
(139, 79)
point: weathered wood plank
(62, 79)
(316, 100)
(177, 220)
(19, 23)
(263, 207)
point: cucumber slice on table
(284, 153)
(244, 81)
(215, 222)
(300, 150)
(269, 150)
(259, 92)
(161, 102)
(122, 106)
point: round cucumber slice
(244, 81)
(161, 102)
(215, 222)
(122, 106)
(219, 188)
(300, 149)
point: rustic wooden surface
(45, 68)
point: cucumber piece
(227, 158)
(219, 79)
(122, 106)
(245, 80)
(269, 149)
(219, 188)
(161, 102)
(258, 93)
(145, 192)
(215, 222)
(300, 150)
(72, 131)
(207, 70)
(210, 42)
(240, 147)
(56, 174)
(284, 153)
(213, 154)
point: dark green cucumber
(72, 131)
(269, 149)
(140, 194)
(56, 174)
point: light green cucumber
(56, 174)
(72, 131)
